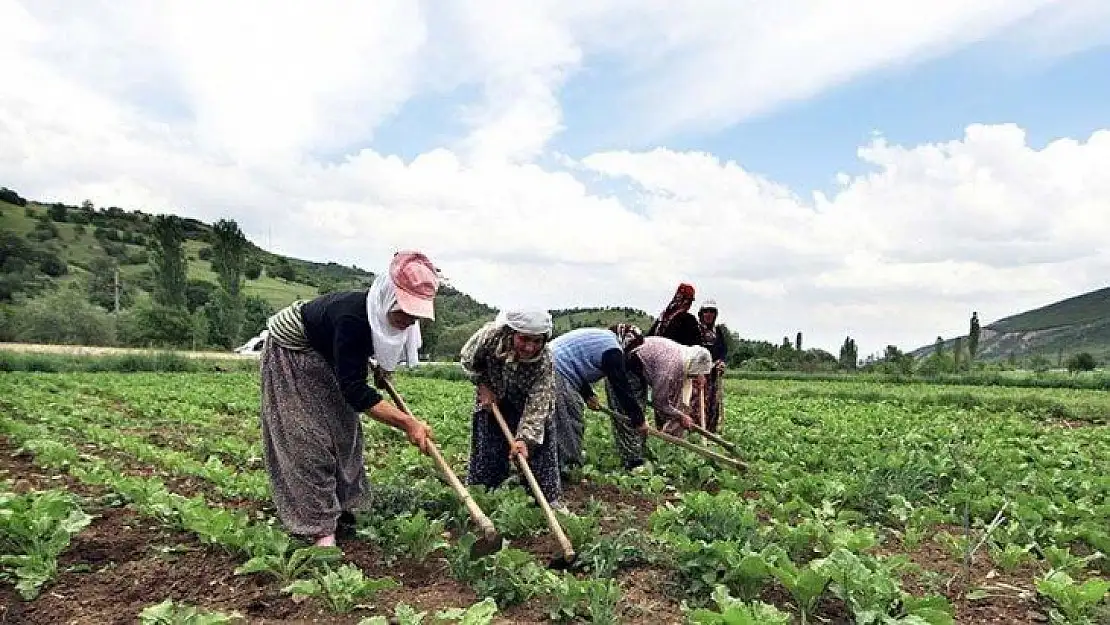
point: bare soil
(122, 563)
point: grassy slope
(459, 315)
(1088, 308)
(79, 251)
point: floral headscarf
(680, 303)
(628, 335)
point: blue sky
(803, 144)
(541, 184)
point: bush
(11, 197)
(58, 212)
(140, 257)
(284, 271)
(51, 265)
(151, 325)
(205, 253)
(256, 312)
(65, 317)
(252, 269)
(115, 250)
(1083, 361)
(198, 293)
(44, 231)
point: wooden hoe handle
(552, 522)
(476, 513)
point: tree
(284, 270)
(228, 249)
(973, 335)
(429, 335)
(1083, 361)
(169, 261)
(11, 197)
(198, 293)
(957, 351)
(849, 356)
(256, 311)
(798, 342)
(938, 347)
(101, 286)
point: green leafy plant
(416, 535)
(340, 589)
(170, 612)
(480, 613)
(286, 567)
(1074, 603)
(732, 611)
(34, 529)
(595, 599)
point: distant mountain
(44, 245)
(1069, 326)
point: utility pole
(116, 290)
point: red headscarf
(681, 302)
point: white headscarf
(696, 361)
(391, 345)
(526, 321)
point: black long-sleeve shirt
(338, 328)
(718, 349)
(613, 365)
(684, 329)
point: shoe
(345, 526)
(634, 466)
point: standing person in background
(713, 339)
(583, 357)
(676, 322)
(314, 367)
(510, 364)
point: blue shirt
(585, 356)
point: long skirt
(489, 453)
(630, 443)
(570, 424)
(714, 389)
(311, 442)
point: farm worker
(676, 322)
(713, 339)
(509, 362)
(314, 368)
(583, 357)
(671, 371)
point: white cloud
(127, 105)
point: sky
(878, 169)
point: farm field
(863, 503)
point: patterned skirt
(631, 445)
(489, 453)
(570, 424)
(311, 442)
(714, 390)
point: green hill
(1055, 331)
(49, 246)
(1086, 309)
